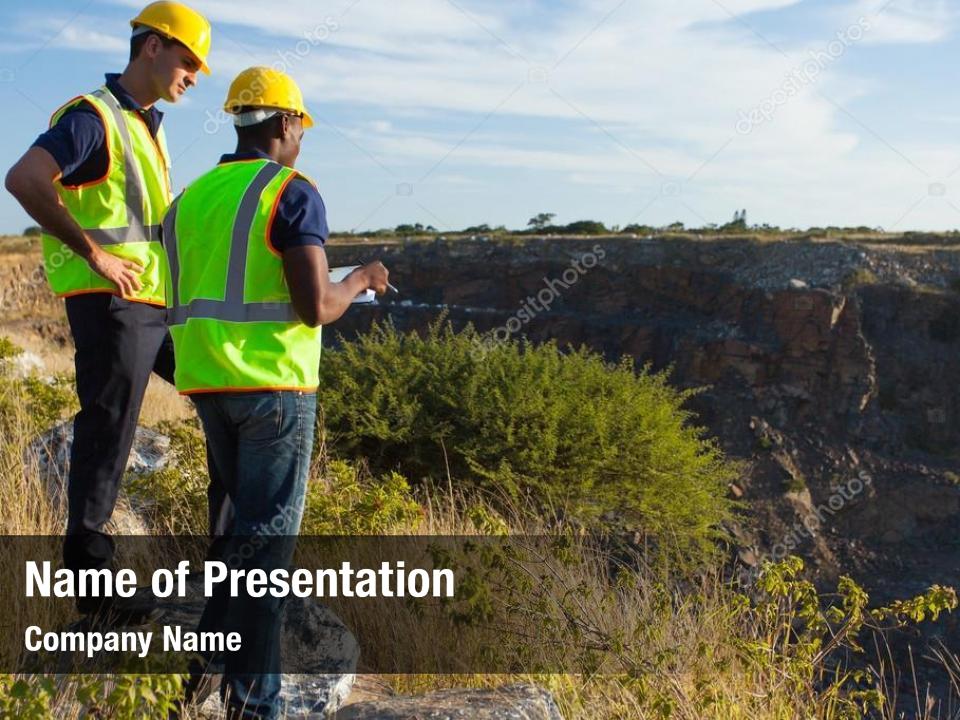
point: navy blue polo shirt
(78, 142)
(301, 217)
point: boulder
(49, 457)
(511, 702)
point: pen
(391, 287)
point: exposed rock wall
(824, 363)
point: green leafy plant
(347, 500)
(576, 435)
(129, 697)
(43, 401)
(49, 399)
(176, 494)
(108, 697)
(26, 698)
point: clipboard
(337, 274)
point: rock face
(844, 379)
(512, 702)
(50, 455)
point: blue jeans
(258, 451)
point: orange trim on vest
(273, 212)
(281, 388)
(105, 291)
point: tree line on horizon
(543, 224)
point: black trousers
(118, 345)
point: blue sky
(460, 112)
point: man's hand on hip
(121, 272)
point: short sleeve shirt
(301, 217)
(78, 142)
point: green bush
(110, 697)
(348, 501)
(578, 436)
(345, 500)
(37, 403)
(177, 493)
(859, 278)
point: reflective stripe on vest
(94, 206)
(136, 230)
(225, 338)
(232, 308)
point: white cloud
(72, 33)
(81, 37)
(906, 21)
(667, 80)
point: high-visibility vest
(120, 211)
(228, 305)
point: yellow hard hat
(264, 87)
(180, 23)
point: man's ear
(286, 126)
(153, 46)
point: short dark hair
(138, 41)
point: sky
(454, 113)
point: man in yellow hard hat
(249, 292)
(98, 182)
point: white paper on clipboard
(339, 273)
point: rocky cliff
(829, 368)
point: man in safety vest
(98, 183)
(249, 290)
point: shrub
(111, 697)
(348, 501)
(586, 227)
(859, 278)
(770, 647)
(578, 436)
(31, 405)
(177, 493)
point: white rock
(48, 456)
(24, 365)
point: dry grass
(163, 403)
(34, 319)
